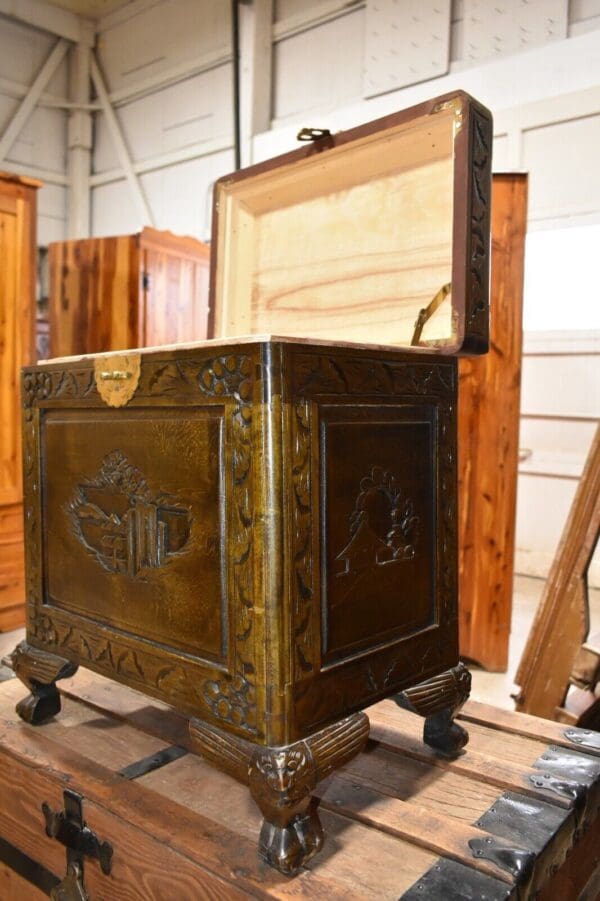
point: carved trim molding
(316, 374)
(448, 563)
(304, 632)
(477, 312)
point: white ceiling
(91, 8)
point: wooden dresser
(17, 343)
(128, 291)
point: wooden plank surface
(94, 286)
(488, 440)
(390, 815)
(14, 887)
(517, 723)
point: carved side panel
(382, 476)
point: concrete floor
(492, 688)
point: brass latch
(117, 377)
(68, 827)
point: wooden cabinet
(488, 439)
(127, 291)
(17, 337)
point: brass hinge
(313, 134)
(69, 828)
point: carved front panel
(134, 507)
(377, 525)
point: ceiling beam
(118, 139)
(47, 17)
(27, 105)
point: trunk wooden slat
(392, 815)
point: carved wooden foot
(281, 781)
(439, 700)
(39, 671)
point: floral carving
(232, 701)
(228, 376)
(383, 526)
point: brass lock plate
(117, 377)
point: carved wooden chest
(258, 530)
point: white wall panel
(195, 110)
(555, 445)
(319, 69)
(543, 505)
(556, 386)
(113, 210)
(405, 43)
(52, 214)
(161, 36)
(43, 141)
(562, 274)
(181, 196)
(562, 158)
(584, 15)
(500, 153)
(560, 382)
(24, 50)
(285, 9)
(511, 26)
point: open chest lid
(379, 235)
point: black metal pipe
(235, 37)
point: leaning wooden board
(514, 815)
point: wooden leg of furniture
(39, 671)
(439, 700)
(281, 780)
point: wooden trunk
(17, 342)
(129, 291)
(488, 442)
(515, 817)
(262, 531)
